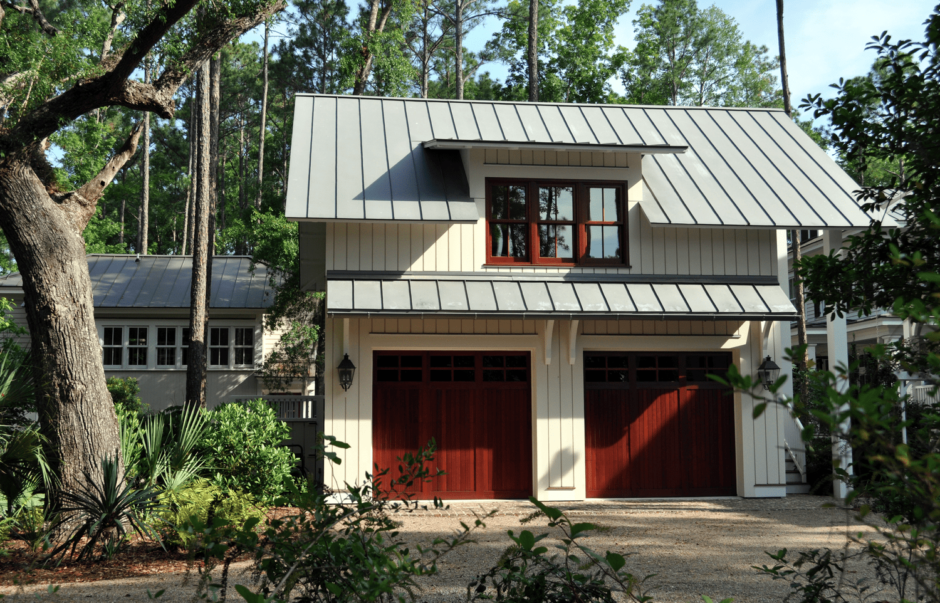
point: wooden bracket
(549, 327)
(573, 342)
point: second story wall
(441, 247)
(461, 248)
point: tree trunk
(121, 234)
(196, 369)
(802, 339)
(264, 118)
(76, 413)
(533, 54)
(458, 46)
(215, 95)
(144, 224)
(784, 80)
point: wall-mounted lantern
(346, 370)
(767, 372)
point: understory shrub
(202, 501)
(243, 445)
(125, 393)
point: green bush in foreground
(202, 501)
(244, 447)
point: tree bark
(533, 53)
(458, 46)
(264, 118)
(215, 95)
(784, 80)
(196, 369)
(144, 224)
(187, 219)
(121, 234)
(44, 232)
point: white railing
(926, 394)
(292, 408)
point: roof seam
(728, 165)
(777, 168)
(756, 171)
(388, 167)
(802, 171)
(710, 173)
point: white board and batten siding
(557, 392)
(674, 251)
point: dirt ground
(695, 548)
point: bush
(202, 501)
(125, 393)
(243, 445)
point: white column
(811, 354)
(837, 340)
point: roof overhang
(473, 296)
(652, 149)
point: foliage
(161, 450)
(9, 328)
(243, 448)
(336, 548)
(17, 391)
(203, 502)
(525, 572)
(688, 56)
(890, 119)
(824, 580)
(299, 316)
(126, 396)
(99, 514)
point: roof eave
(555, 146)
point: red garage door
(657, 426)
(477, 408)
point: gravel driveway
(694, 547)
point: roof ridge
(542, 103)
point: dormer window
(556, 222)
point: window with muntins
(113, 348)
(166, 346)
(244, 346)
(137, 346)
(218, 346)
(556, 222)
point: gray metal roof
(163, 281)
(355, 158)
(555, 298)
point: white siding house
(142, 315)
(543, 288)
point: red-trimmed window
(556, 222)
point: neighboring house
(862, 331)
(142, 315)
(543, 289)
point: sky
(825, 39)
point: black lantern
(767, 372)
(346, 370)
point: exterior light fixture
(346, 370)
(767, 372)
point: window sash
(566, 237)
(244, 346)
(137, 351)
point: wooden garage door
(477, 408)
(657, 426)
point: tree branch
(113, 87)
(36, 13)
(117, 17)
(87, 196)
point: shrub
(243, 445)
(202, 501)
(125, 393)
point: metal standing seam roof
(547, 299)
(164, 281)
(362, 158)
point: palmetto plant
(158, 451)
(105, 513)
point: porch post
(838, 341)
